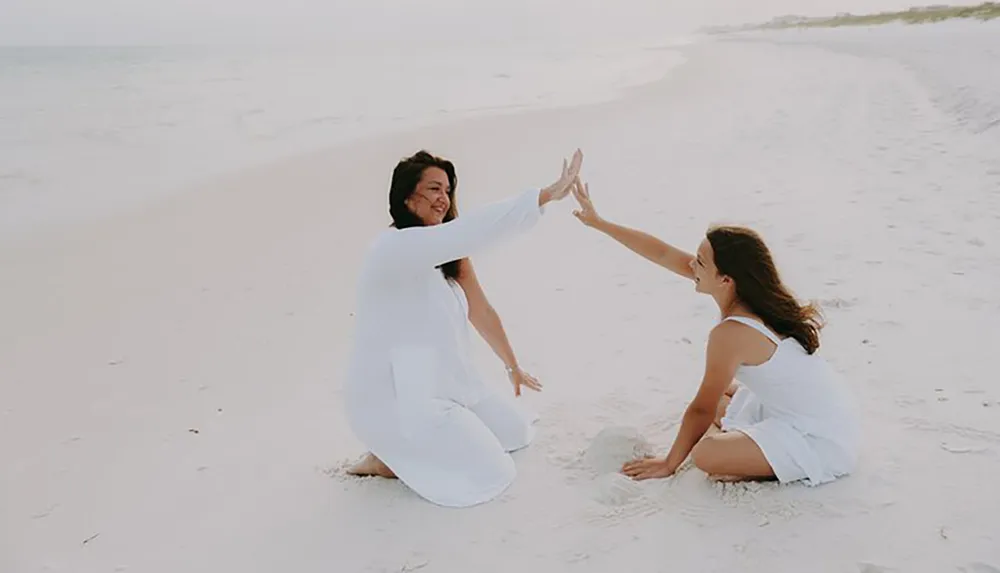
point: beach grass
(916, 15)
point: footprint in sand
(874, 568)
(616, 489)
(838, 303)
(979, 568)
(965, 432)
(692, 497)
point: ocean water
(85, 131)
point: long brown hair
(741, 255)
(405, 178)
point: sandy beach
(170, 379)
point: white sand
(169, 382)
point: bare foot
(371, 466)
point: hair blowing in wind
(741, 254)
(405, 178)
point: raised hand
(562, 186)
(586, 213)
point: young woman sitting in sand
(788, 417)
(413, 394)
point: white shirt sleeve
(414, 249)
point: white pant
(447, 453)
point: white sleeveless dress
(413, 395)
(797, 410)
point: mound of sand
(614, 446)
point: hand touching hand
(561, 188)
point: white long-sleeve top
(411, 338)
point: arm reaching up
(641, 243)
(415, 248)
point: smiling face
(431, 199)
(707, 278)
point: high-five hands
(562, 186)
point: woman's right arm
(637, 241)
(418, 248)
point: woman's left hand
(648, 468)
(520, 378)
(562, 186)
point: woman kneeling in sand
(789, 417)
(413, 395)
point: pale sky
(117, 22)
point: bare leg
(371, 466)
(731, 456)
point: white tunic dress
(797, 410)
(413, 395)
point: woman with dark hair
(788, 417)
(413, 395)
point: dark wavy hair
(741, 255)
(405, 177)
